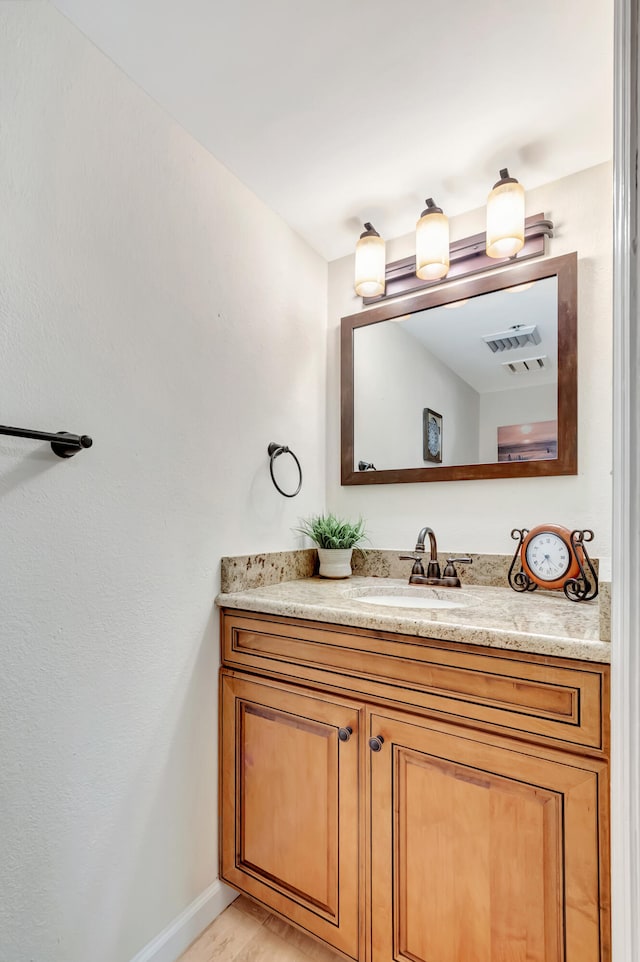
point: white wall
(148, 299)
(395, 377)
(498, 408)
(478, 515)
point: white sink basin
(412, 596)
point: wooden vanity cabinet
(481, 848)
(290, 804)
(441, 829)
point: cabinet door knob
(344, 734)
(376, 743)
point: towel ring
(275, 450)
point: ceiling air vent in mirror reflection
(527, 366)
(516, 336)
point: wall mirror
(477, 379)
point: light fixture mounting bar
(467, 256)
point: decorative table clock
(554, 558)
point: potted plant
(335, 540)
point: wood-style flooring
(246, 932)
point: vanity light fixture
(370, 263)
(452, 306)
(519, 288)
(437, 261)
(505, 217)
(432, 243)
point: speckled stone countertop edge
(243, 572)
(419, 624)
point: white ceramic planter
(335, 562)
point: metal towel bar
(63, 444)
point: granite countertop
(542, 623)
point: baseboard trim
(179, 934)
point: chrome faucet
(433, 577)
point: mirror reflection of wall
(485, 363)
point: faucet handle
(417, 563)
(450, 571)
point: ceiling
(461, 348)
(349, 110)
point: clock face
(433, 439)
(548, 556)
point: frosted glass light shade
(432, 244)
(370, 264)
(505, 218)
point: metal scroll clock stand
(581, 581)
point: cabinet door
(481, 852)
(290, 805)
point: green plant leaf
(327, 531)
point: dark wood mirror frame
(565, 268)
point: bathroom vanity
(417, 784)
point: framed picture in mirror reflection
(528, 442)
(432, 436)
